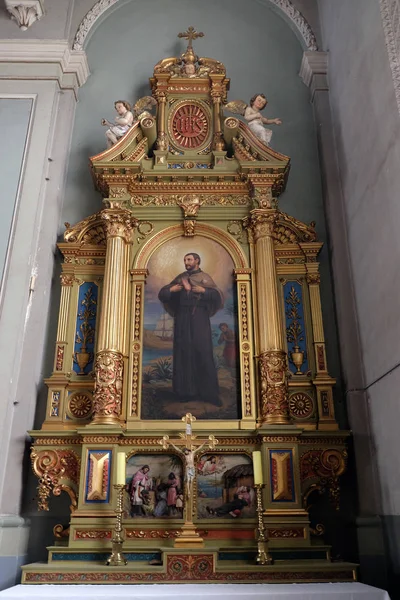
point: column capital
(67, 279)
(314, 71)
(260, 223)
(119, 223)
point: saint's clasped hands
(198, 289)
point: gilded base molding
(199, 566)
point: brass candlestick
(263, 556)
(117, 559)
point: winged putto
(252, 114)
(126, 117)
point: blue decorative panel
(98, 471)
(100, 556)
(281, 474)
(295, 328)
(85, 328)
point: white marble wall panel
(367, 128)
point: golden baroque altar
(237, 340)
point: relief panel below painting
(190, 356)
(225, 487)
(155, 486)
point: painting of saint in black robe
(192, 298)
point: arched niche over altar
(191, 350)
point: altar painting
(190, 354)
(225, 487)
(155, 486)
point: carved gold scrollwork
(57, 471)
(325, 466)
(274, 393)
(108, 384)
(144, 229)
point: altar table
(293, 591)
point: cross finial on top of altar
(191, 34)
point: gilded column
(313, 280)
(274, 404)
(109, 364)
(323, 382)
(161, 137)
(67, 281)
(216, 91)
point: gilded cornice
(289, 230)
(89, 231)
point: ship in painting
(162, 336)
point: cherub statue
(253, 116)
(126, 118)
(123, 121)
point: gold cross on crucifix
(190, 35)
(188, 446)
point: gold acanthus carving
(119, 223)
(204, 200)
(57, 471)
(118, 192)
(189, 227)
(313, 278)
(93, 534)
(152, 533)
(286, 533)
(261, 223)
(108, 384)
(67, 280)
(274, 391)
(190, 204)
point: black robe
(194, 374)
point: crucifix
(190, 35)
(188, 446)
